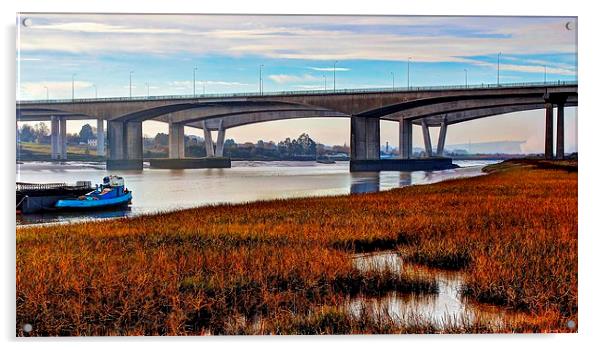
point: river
(157, 190)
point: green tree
(27, 133)
(41, 131)
(86, 133)
(161, 139)
(305, 145)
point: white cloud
(187, 84)
(330, 69)
(288, 78)
(92, 27)
(56, 89)
(225, 83)
(310, 87)
(528, 68)
(426, 39)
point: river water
(164, 190)
(445, 309)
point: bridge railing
(305, 92)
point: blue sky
(297, 52)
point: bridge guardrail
(304, 92)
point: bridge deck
(305, 92)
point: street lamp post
(545, 74)
(47, 94)
(466, 78)
(73, 86)
(131, 83)
(147, 90)
(498, 68)
(393, 77)
(334, 76)
(260, 80)
(324, 76)
(409, 58)
(194, 81)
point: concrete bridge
(424, 106)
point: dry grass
(204, 270)
(44, 148)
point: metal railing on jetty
(24, 186)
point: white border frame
(589, 189)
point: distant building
(92, 142)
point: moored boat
(41, 197)
(111, 193)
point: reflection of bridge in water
(424, 106)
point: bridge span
(424, 106)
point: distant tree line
(301, 148)
(40, 133)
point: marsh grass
(212, 270)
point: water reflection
(161, 189)
(364, 182)
(446, 308)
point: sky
(97, 52)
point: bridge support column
(442, 134)
(427, 139)
(63, 138)
(365, 138)
(221, 135)
(125, 145)
(133, 137)
(549, 136)
(405, 139)
(54, 137)
(116, 139)
(100, 137)
(176, 141)
(560, 130)
(208, 141)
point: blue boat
(112, 193)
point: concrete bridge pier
(405, 139)
(177, 159)
(549, 133)
(365, 149)
(63, 138)
(58, 138)
(365, 144)
(116, 139)
(176, 141)
(442, 134)
(365, 138)
(125, 145)
(54, 137)
(560, 130)
(208, 140)
(221, 135)
(133, 137)
(426, 135)
(100, 137)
